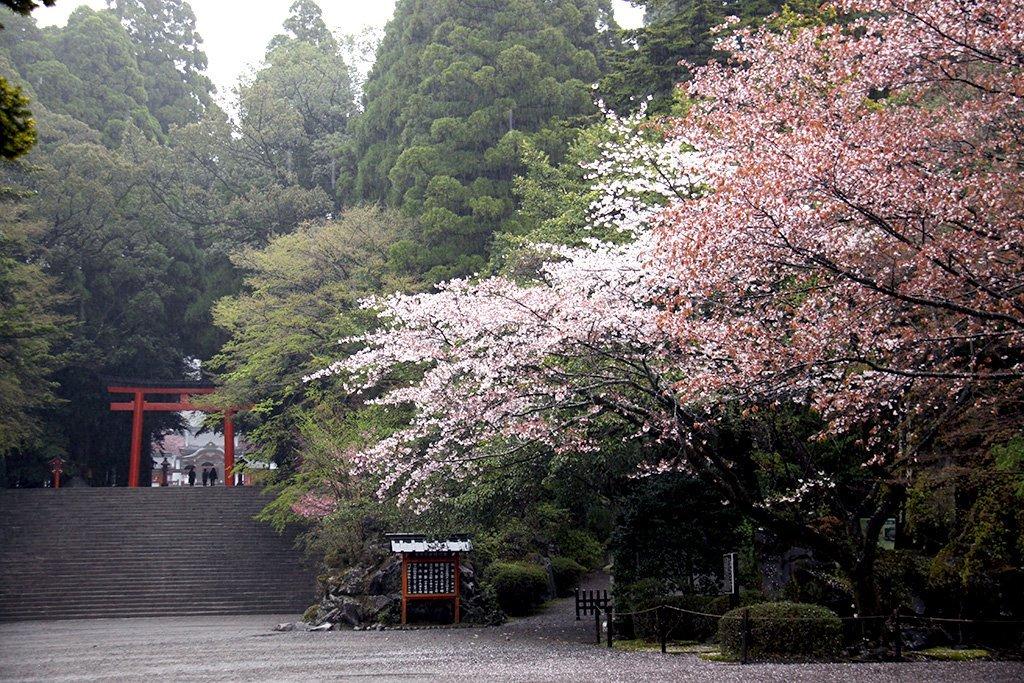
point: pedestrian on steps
(213, 476)
(206, 476)
(191, 475)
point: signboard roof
(422, 543)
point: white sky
(236, 32)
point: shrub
(567, 573)
(581, 546)
(900, 577)
(782, 630)
(629, 595)
(721, 603)
(520, 587)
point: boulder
(369, 593)
(386, 578)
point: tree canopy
(455, 92)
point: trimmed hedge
(782, 630)
(567, 573)
(520, 587)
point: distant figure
(164, 469)
(213, 476)
(191, 475)
(206, 476)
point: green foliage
(673, 528)
(108, 91)
(969, 523)
(783, 630)
(678, 625)
(305, 23)
(520, 587)
(30, 332)
(300, 295)
(646, 594)
(949, 654)
(1009, 459)
(17, 127)
(900, 576)
(567, 573)
(168, 51)
(674, 31)
(456, 92)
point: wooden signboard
(431, 569)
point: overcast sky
(235, 32)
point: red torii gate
(183, 391)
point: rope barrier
(1003, 622)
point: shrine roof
(423, 543)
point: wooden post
(897, 635)
(662, 629)
(135, 464)
(458, 588)
(229, 449)
(405, 588)
(611, 622)
(745, 636)
(56, 467)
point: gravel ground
(550, 646)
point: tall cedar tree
(674, 31)
(456, 90)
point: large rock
(370, 593)
(387, 578)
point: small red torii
(183, 391)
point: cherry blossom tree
(834, 223)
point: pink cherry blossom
(836, 221)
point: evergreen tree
(305, 23)
(30, 330)
(17, 128)
(673, 31)
(112, 93)
(456, 90)
(170, 57)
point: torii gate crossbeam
(139, 405)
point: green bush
(629, 595)
(782, 630)
(581, 546)
(520, 587)
(722, 603)
(567, 573)
(900, 576)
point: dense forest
(307, 239)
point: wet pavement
(550, 646)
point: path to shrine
(547, 647)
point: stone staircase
(117, 552)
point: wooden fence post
(745, 636)
(897, 635)
(662, 629)
(611, 620)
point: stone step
(99, 612)
(78, 553)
